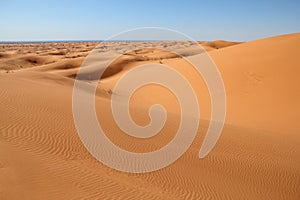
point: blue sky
(95, 20)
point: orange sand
(256, 157)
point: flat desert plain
(256, 157)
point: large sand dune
(256, 157)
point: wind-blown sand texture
(256, 157)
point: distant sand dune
(218, 44)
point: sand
(256, 157)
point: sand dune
(263, 78)
(218, 44)
(257, 156)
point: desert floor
(256, 157)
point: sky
(98, 20)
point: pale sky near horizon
(97, 20)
